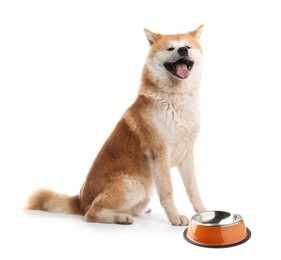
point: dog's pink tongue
(182, 70)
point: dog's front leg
(160, 168)
(187, 170)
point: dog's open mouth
(181, 68)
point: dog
(157, 132)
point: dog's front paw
(199, 206)
(200, 209)
(179, 220)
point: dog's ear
(151, 36)
(197, 33)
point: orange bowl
(217, 229)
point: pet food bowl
(217, 229)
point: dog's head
(174, 57)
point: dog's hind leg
(108, 216)
(116, 202)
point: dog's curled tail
(48, 200)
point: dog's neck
(155, 87)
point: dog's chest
(177, 122)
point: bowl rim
(234, 215)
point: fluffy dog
(156, 133)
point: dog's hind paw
(148, 210)
(125, 219)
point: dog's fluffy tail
(43, 199)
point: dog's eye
(171, 49)
(187, 47)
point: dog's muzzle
(182, 67)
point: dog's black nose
(183, 51)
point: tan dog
(155, 134)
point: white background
(68, 71)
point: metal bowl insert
(217, 218)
